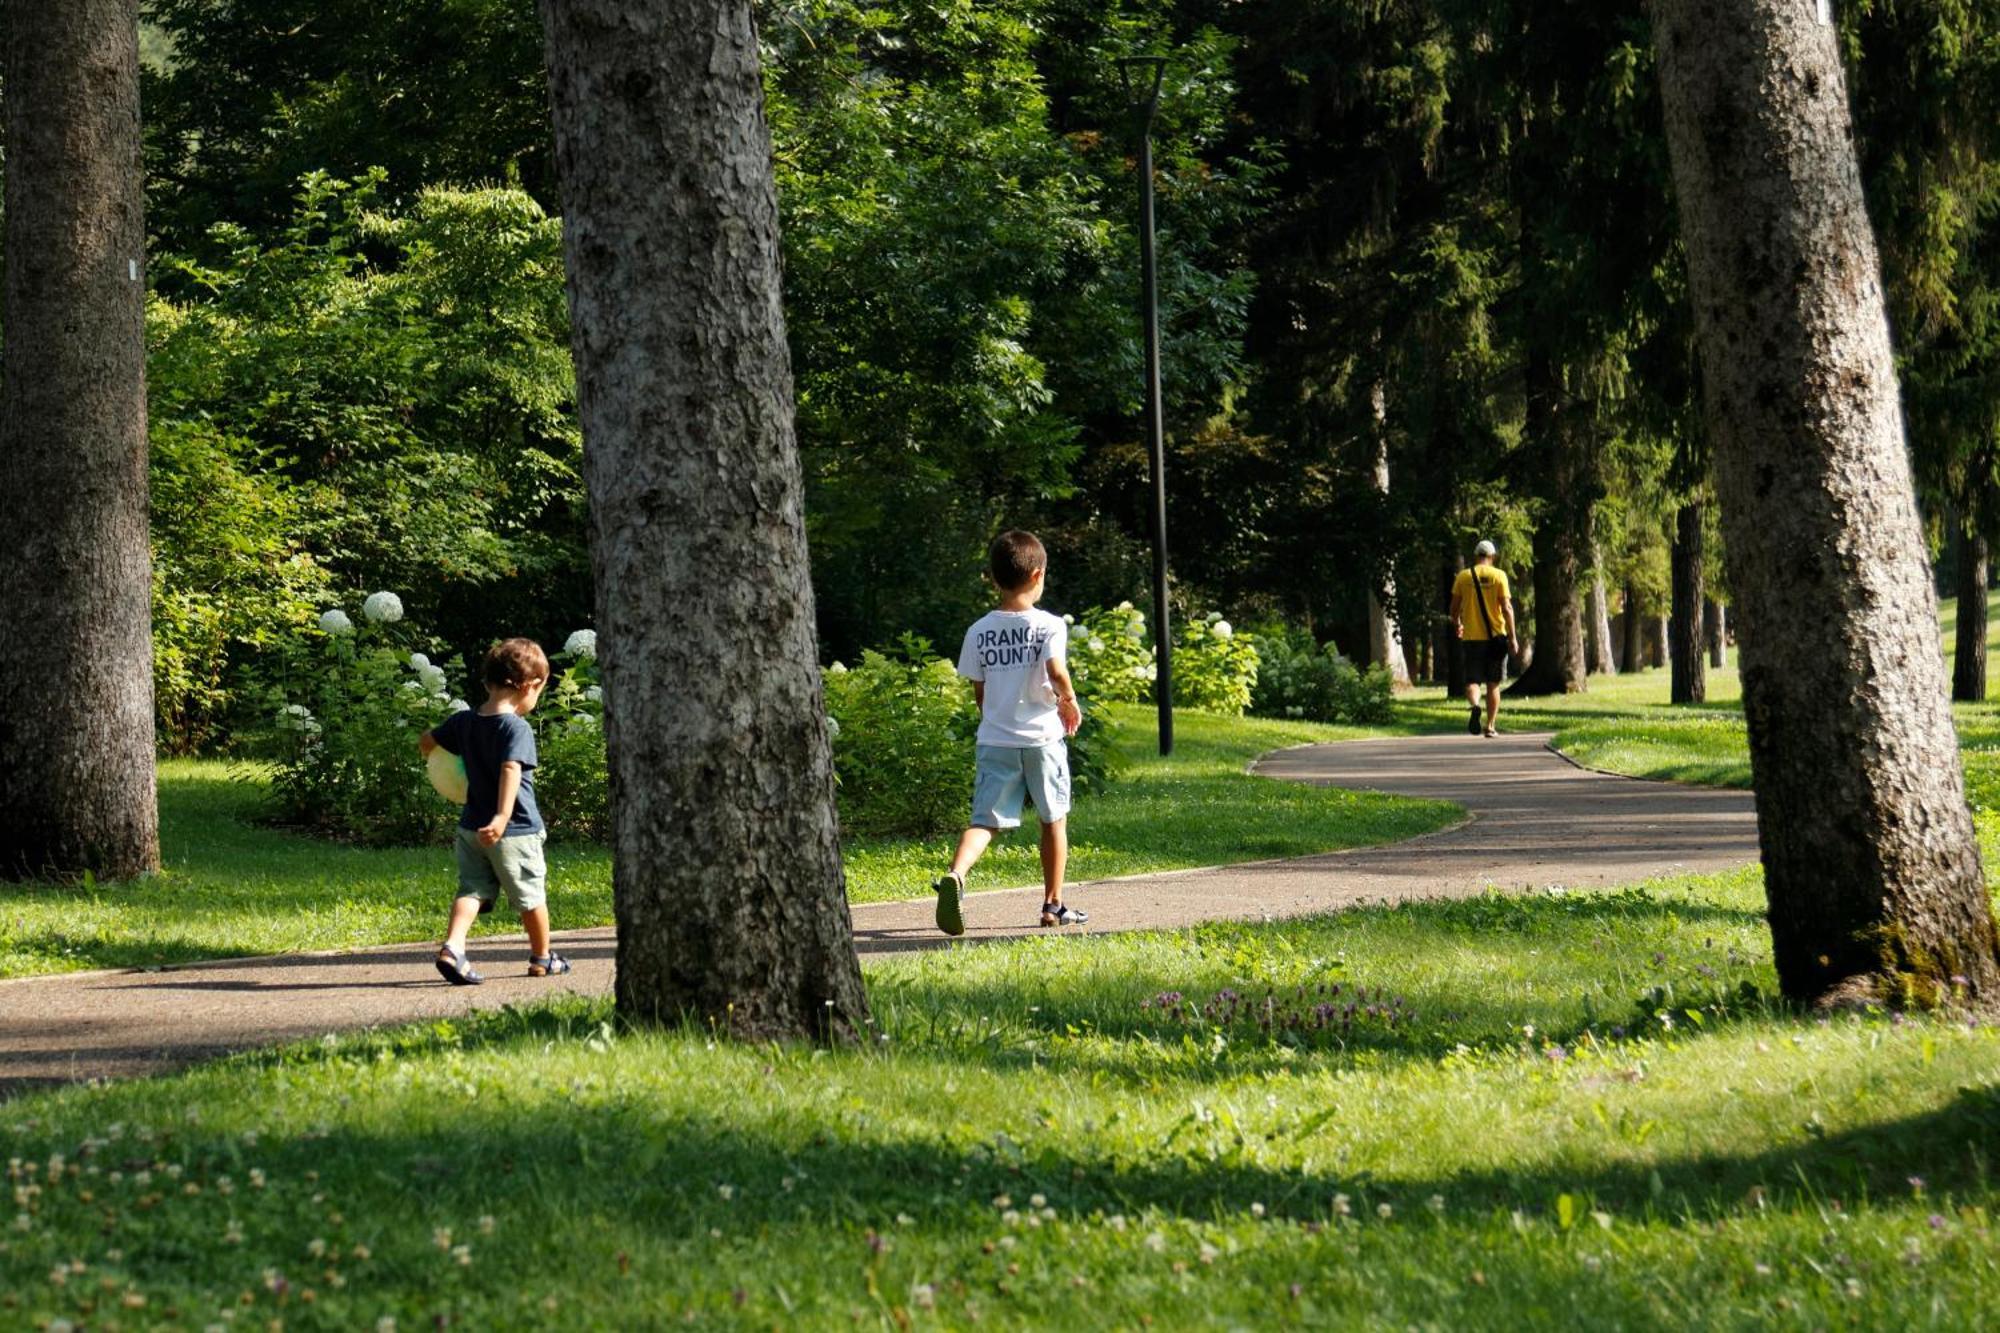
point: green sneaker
(950, 888)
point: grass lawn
(1559, 1111)
(232, 887)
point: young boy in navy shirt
(500, 834)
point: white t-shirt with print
(1011, 652)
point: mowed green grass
(1566, 1111)
(233, 887)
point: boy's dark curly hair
(1014, 558)
(512, 663)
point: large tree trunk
(76, 717)
(1562, 539)
(1968, 658)
(1600, 657)
(1385, 639)
(1689, 684)
(1715, 629)
(1870, 864)
(727, 881)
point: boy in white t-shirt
(1017, 660)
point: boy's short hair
(1014, 559)
(512, 663)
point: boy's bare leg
(972, 845)
(1055, 859)
(464, 911)
(1492, 705)
(536, 923)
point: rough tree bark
(728, 886)
(1562, 539)
(1452, 667)
(1600, 658)
(1385, 639)
(1968, 657)
(1687, 653)
(1715, 631)
(76, 720)
(1870, 864)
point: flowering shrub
(1299, 679)
(1109, 656)
(354, 701)
(902, 725)
(573, 784)
(1214, 667)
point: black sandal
(554, 965)
(456, 968)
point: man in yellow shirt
(1482, 611)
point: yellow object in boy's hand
(447, 774)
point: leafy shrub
(1109, 657)
(1215, 668)
(903, 724)
(1300, 679)
(573, 783)
(354, 700)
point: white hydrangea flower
(383, 608)
(1222, 629)
(832, 726)
(1136, 630)
(433, 679)
(1139, 673)
(298, 710)
(584, 720)
(1152, 672)
(1096, 644)
(458, 706)
(413, 686)
(418, 661)
(594, 693)
(1212, 617)
(583, 643)
(1124, 606)
(837, 669)
(1069, 620)
(336, 622)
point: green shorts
(514, 863)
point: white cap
(1486, 548)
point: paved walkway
(1536, 821)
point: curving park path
(1535, 821)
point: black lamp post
(1141, 77)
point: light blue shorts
(514, 863)
(1008, 776)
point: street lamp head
(1140, 76)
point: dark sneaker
(1061, 914)
(950, 888)
(552, 966)
(1472, 722)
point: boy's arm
(1507, 614)
(1067, 707)
(1457, 625)
(979, 693)
(425, 744)
(510, 788)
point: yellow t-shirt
(1493, 585)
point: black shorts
(1485, 660)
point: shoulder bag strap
(1479, 596)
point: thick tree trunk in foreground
(1686, 636)
(1385, 639)
(730, 903)
(1870, 864)
(1600, 658)
(76, 716)
(1968, 657)
(1715, 629)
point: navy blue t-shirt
(485, 742)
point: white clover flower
(583, 643)
(458, 706)
(1222, 629)
(433, 679)
(832, 727)
(383, 608)
(418, 661)
(594, 693)
(336, 622)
